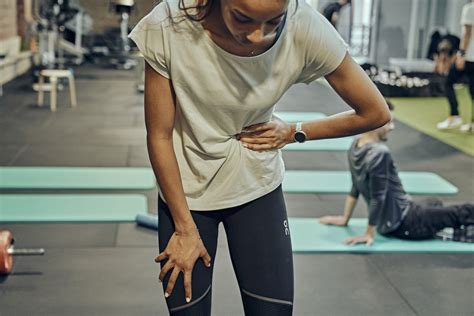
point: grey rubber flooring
(108, 269)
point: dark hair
(202, 9)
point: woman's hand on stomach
(271, 135)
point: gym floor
(108, 269)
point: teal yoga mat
(308, 235)
(339, 182)
(33, 208)
(76, 178)
(294, 117)
(333, 144)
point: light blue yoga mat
(76, 178)
(308, 235)
(333, 144)
(33, 208)
(339, 182)
(293, 117)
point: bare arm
(370, 111)
(349, 206)
(341, 220)
(466, 37)
(185, 246)
(159, 120)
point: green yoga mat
(293, 117)
(308, 235)
(76, 178)
(333, 144)
(33, 208)
(339, 182)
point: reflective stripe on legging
(267, 299)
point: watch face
(300, 137)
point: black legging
(260, 248)
(454, 76)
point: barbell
(7, 251)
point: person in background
(331, 11)
(391, 210)
(444, 57)
(464, 66)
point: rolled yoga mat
(31, 208)
(147, 220)
(76, 178)
(308, 235)
(339, 182)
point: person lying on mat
(391, 210)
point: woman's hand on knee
(182, 252)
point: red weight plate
(6, 260)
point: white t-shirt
(467, 18)
(218, 94)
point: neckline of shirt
(252, 57)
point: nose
(256, 35)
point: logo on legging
(287, 228)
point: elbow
(381, 117)
(385, 117)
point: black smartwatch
(300, 135)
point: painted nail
(167, 295)
(188, 300)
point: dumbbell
(7, 251)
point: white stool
(53, 75)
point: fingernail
(188, 300)
(166, 295)
(209, 265)
(245, 145)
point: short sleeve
(151, 39)
(467, 15)
(324, 48)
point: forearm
(165, 166)
(340, 125)
(349, 206)
(466, 37)
(370, 230)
